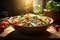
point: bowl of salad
(30, 23)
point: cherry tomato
(15, 22)
(2, 27)
(57, 26)
(27, 17)
(40, 19)
(4, 23)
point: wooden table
(11, 33)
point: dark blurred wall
(57, 0)
(6, 8)
(1, 7)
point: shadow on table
(17, 35)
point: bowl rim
(10, 21)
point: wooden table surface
(10, 29)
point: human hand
(51, 29)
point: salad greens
(31, 20)
(39, 9)
(53, 5)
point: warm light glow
(24, 5)
(28, 4)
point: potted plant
(53, 10)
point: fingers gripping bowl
(30, 23)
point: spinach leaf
(53, 5)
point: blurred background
(15, 7)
